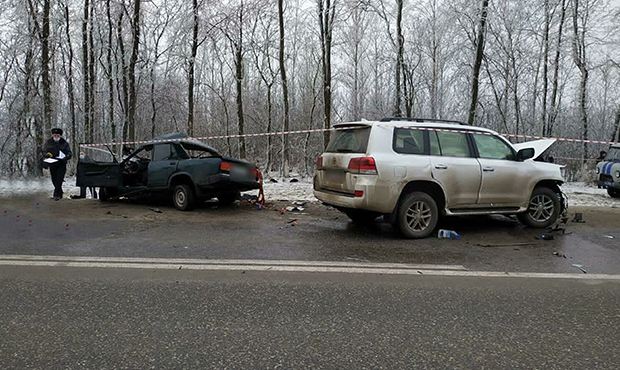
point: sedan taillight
(363, 165)
(225, 166)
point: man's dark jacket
(55, 147)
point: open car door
(98, 167)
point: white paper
(50, 160)
(61, 155)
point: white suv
(415, 170)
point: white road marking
(282, 266)
(229, 262)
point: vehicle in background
(608, 171)
(415, 170)
(184, 169)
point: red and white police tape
(294, 132)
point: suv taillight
(319, 163)
(363, 165)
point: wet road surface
(59, 317)
(37, 225)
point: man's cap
(57, 131)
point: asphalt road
(142, 316)
(61, 317)
(38, 225)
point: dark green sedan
(186, 170)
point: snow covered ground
(579, 193)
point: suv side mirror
(524, 154)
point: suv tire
(183, 197)
(543, 208)
(417, 215)
(614, 193)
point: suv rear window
(353, 140)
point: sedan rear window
(353, 140)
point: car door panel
(163, 165)
(504, 182)
(100, 174)
(454, 167)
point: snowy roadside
(578, 193)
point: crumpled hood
(539, 146)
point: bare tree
(581, 16)
(556, 71)
(192, 62)
(286, 146)
(135, 31)
(326, 14)
(478, 62)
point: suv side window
(453, 144)
(161, 152)
(408, 141)
(492, 147)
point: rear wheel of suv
(543, 209)
(417, 215)
(614, 193)
(183, 197)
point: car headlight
(618, 174)
(598, 170)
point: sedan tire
(417, 215)
(543, 208)
(183, 197)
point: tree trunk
(399, 57)
(239, 86)
(285, 149)
(91, 75)
(70, 87)
(615, 135)
(131, 132)
(545, 68)
(478, 62)
(326, 10)
(45, 68)
(556, 72)
(192, 63)
(124, 91)
(109, 73)
(85, 72)
(580, 59)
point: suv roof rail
(416, 119)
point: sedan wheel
(183, 197)
(417, 215)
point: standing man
(57, 148)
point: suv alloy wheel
(417, 215)
(543, 209)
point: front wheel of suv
(417, 215)
(543, 209)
